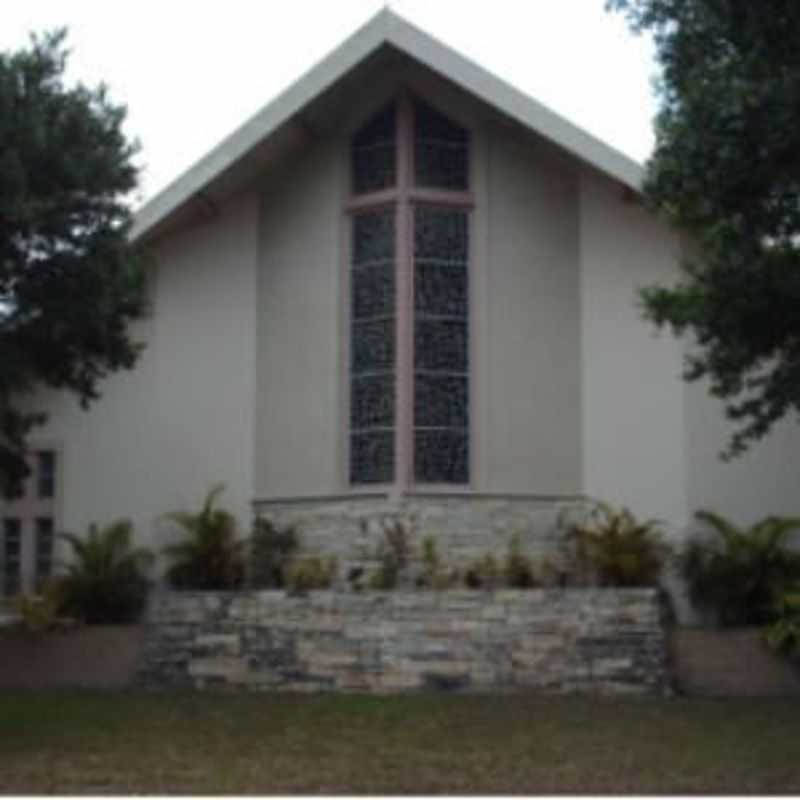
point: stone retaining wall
(586, 640)
(464, 527)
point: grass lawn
(72, 742)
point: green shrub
(41, 612)
(357, 578)
(434, 575)
(613, 548)
(518, 569)
(210, 557)
(311, 573)
(552, 574)
(105, 581)
(485, 573)
(393, 555)
(271, 551)
(741, 574)
(380, 581)
(783, 634)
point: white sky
(191, 72)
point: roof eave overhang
(386, 28)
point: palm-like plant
(270, 554)
(105, 580)
(211, 556)
(741, 573)
(615, 549)
(784, 633)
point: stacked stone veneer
(464, 527)
(586, 640)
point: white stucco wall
(632, 395)
(162, 434)
(531, 322)
(762, 482)
(299, 368)
(653, 441)
(243, 378)
(526, 348)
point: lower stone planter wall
(559, 640)
(730, 662)
(464, 528)
(91, 657)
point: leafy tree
(726, 170)
(69, 282)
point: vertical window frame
(405, 196)
(44, 534)
(349, 371)
(12, 528)
(29, 507)
(46, 469)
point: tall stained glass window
(372, 350)
(441, 345)
(413, 278)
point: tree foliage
(69, 283)
(726, 171)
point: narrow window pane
(44, 547)
(372, 348)
(441, 401)
(12, 536)
(45, 473)
(373, 237)
(373, 291)
(375, 153)
(440, 290)
(441, 345)
(441, 456)
(372, 457)
(372, 403)
(12, 546)
(441, 151)
(441, 235)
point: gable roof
(385, 28)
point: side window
(45, 472)
(43, 549)
(27, 528)
(12, 555)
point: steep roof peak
(386, 27)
